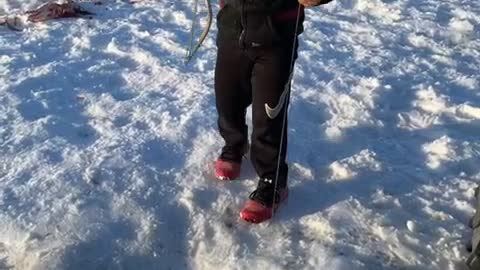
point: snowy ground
(107, 139)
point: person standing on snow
(255, 41)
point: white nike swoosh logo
(273, 112)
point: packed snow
(107, 142)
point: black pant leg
(233, 95)
(271, 75)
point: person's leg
(233, 96)
(271, 75)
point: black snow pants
(254, 69)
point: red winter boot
(227, 166)
(263, 202)
(227, 170)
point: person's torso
(262, 6)
(258, 22)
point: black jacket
(262, 6)
(266, 6)
(257, 23)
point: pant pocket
(260, 32)
(228, 24)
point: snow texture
(107, 141)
